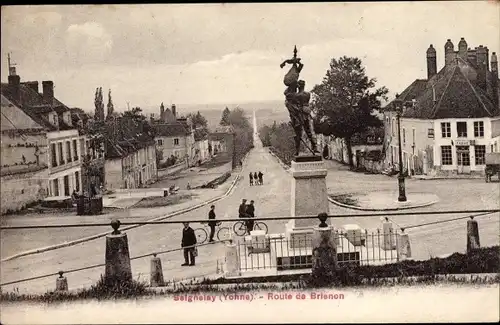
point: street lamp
(398, 103)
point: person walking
(242, 209)
(212, 222)
(250, 176)
(261, 181)
(188, 240)
(250, 213)
(256, 178)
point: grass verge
(160, 201)
(456, 269)
(345, 198)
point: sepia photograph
(225, 163)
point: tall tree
(225, 117)
(344, 102)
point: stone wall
(20, 190)
(171, 170)
(114, 176)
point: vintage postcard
(250, 163)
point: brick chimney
(431, 62)
(482, 66)
(48, 92)
(494, 72)
(15, 86)
(173, 111)
(462, 49)
(33, 85)
(449, 52)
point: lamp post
(398, 103)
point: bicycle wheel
(201, 235)
(223, 233)
(260, 226)
(240, 228)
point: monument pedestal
(309, 197)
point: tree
(344, 102)
(225, 117)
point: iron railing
(281, 252)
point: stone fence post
(472, 235)
(117, 265)
(324, 252)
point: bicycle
(223, 233)
(240, 227)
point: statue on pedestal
(297, 103)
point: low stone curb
(282, 164)
(89, 238)
(347, 206)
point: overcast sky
(202, 53)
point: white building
(452, 118)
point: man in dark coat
(188, 239)
(250, 212)
(250, 176)
(255, 179)
(260, 178)
(242, 209)
(211, 224)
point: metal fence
(291, 252)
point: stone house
(130, 156)
(452, 118)
(38, 133)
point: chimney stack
(33, 85)
(462, 49)
(48, 92)
(494, 72)
(173, 111)
(431, 62)
(482, 66)
(449, 52)
(15, 86)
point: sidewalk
(35, 239)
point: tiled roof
(131, 137)
(224, 129)
(170, 130)
(200, 134)
(448, 94)
(31, 103)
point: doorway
(463, 160)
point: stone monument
(309, 192)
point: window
(68, 151)
(479, 153)
(176, 142)
(446, 155)
(53, 154)
(446, 130)
(160, 142)
(478, 129)
(404, 136)
(77, 181)
(56, 187)
(462, 129)
(75, 150)
(61, 154)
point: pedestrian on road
(211, 224)
(261, 181)
(242, 209)
(188, 240)
(256, 178)
(250, 212)
(251, 178)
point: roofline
(434, 110)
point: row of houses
(43, 145)
(49, 150)
(448, 121)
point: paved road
(272, 198)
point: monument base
(309, 197)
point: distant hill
(266, 111)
